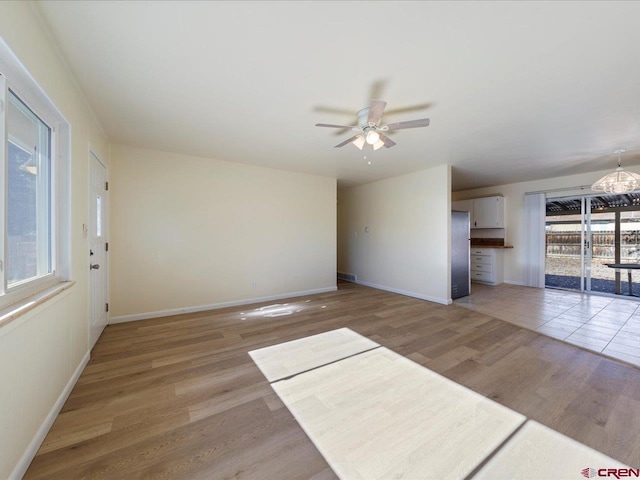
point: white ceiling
(518, 90)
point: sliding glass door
(600, 250)
(584, 235)
(565, 247)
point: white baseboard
(215, 306)
(32, 449)
(513, 282)
(443, 301)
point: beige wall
(407, 247)
(192, 232)
(514, 260)
(40, 351)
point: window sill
(16, 310)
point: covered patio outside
(614, 238)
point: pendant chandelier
(618, 181)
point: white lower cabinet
(486, 265)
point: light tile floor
(603, 324)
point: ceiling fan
(371, 130)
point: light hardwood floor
(179, 397)
(536, 452)
(297, 356)
(375, 416)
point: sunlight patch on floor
(374, 414)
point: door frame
(105, 207)
(586, 240)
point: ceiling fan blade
(352, 139)
(377, 89)
(375, 111)
(388, 143)
(342, 131)
(423, 122)
(330, 125)
(338, 111)
(412, 108)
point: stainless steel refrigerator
(460, 254)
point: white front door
(98, 247)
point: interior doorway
(584, 235)
(98, 247)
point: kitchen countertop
(491, 246)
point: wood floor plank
(376, 416)
(297, 356)
(184, 399)
(537, 452)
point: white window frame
(15, 77)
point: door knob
(94, 266)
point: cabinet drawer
(486, 252)
(481, 267)
(482, 276)
(481, 259)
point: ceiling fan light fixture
(373, 137)
(378, 145)
(359, 142)
(619, 181)
(30, 166)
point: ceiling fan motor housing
(363, 115)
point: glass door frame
(586, 241)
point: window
(28, 187)
(34, 200)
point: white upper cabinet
(488, 212)
(463, 206)
(483, 212)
